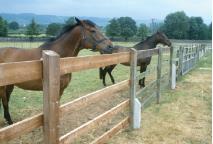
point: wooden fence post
(51, 88)
(159, 73)
(170, 65)
(180, 69)
(198, 51)
(135, 105)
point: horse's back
(12, 54)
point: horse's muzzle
(107, 50)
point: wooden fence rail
(36, 121)
(72, 135)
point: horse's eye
(93, 31)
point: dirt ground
(182, 117)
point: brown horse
(149, 43)
(84, 34)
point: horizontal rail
(31, 123)
(16, 72)
(175, 59)
(36, 121)
(143, 89)
(144, 102)
(193, 58)
(20, 128)
(146, 73)
(141, 75)
(147, 53)
(92, 97)
(110, 133)
(166, 50)
(75, 64)
(72, 135)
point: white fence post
(173, 84)
(135, 105)
(172, 69)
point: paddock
(33, 70)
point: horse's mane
(142, 42)
(90, 23)
(67, 28)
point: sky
(137, 9)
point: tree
(32, 29)
(143, 31)
(128, 27)
(210, 31)
(176, 25)
(203, 32)
(113, 28)
(197, 29)
(53, 29)
(70, 21)
(3, 27)
(13, 25)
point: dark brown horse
(84, 34)
(149, 43)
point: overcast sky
(138, 9)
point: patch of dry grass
(182, 117)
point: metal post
(135, 106)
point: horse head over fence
(73, 38)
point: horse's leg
(9, 90)
(5, 103)
(142, 81)
(110, 73)
(105, 70)
(64, 82)
(101, 73)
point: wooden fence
(50, 69)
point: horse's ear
(159, 32)
(77, 20)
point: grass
(183, 115)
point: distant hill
(25, 18)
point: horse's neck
(67, 45)
(147, 44)
(152, 42)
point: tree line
(33, 29)
(176, 25)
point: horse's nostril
(110, 46)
